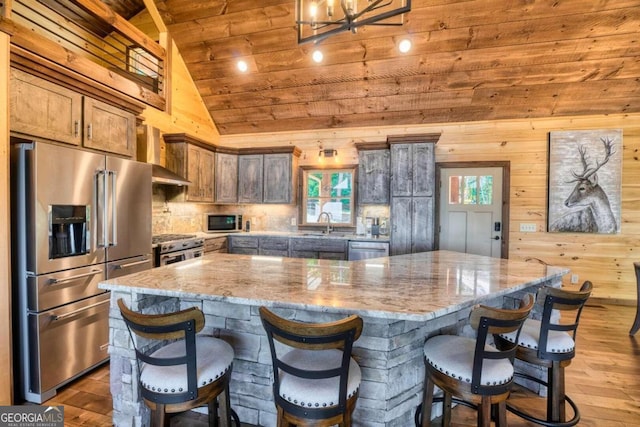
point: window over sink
(327, 192)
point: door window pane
(471, 190)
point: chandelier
(319, 19)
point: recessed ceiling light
(404, 46)
(242, 66)
(317, 56)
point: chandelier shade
(319, 19)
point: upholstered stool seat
(316, 393)
(179, 369)
(453, 356)
(550, 343)
(557, 342)
(473, 370)
(215, 358)
(315, 379)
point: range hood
(148, 140)
(162, 175)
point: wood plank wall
(606, 260)
(6, 384)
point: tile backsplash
(181, 217)
(170, 217)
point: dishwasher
(366, 249)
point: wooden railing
(80, 34)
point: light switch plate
(526, 227)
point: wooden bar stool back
(550, 343)
(471, 371)
(181, 370)
(315, 379)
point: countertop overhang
(418, 287)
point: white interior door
(471, 210)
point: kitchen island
(402, 299)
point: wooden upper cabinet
(250, 178)
(412, 169)
(279, 177)
(193, 161)
(423, 169)
(401, 170)
(107, 128)
(226, 178)
(44, 109)
(373, 177)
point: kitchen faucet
(328, 220)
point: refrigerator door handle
(54, 281)
(114, 209)
(101, 223)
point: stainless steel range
(172, 248)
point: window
(471, 190)
(328, 191)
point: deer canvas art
(584, 181)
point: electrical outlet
(574, 279)
(526, 227)
(293, 220)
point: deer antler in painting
(588, 172)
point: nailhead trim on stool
(453, 356)
(214, 359)
(316, 393)
(557, 342)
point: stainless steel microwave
(221, 223)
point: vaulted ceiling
(471, 60)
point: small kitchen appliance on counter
(222, 223)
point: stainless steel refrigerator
(78, 218)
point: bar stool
(315, 379)
(186, 371)
(550, 343)
(636, 323)
(471, 369)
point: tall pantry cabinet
(412, 193)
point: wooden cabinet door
(401, 170)
(195, 191)
(422, 224)
(373, 177)
(207, 165)
(277, 178)
(250, 176)
(226, 178)
(40, 108)
(401, 229)
(247, 245)
(107, 128)
(423, 170)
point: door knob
(496, 238)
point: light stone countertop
(418, 287)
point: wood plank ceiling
(471, 60)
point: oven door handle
(80, 310)
(170, 257)
(54, 281)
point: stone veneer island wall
(389, 350)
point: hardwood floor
(603, 380)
